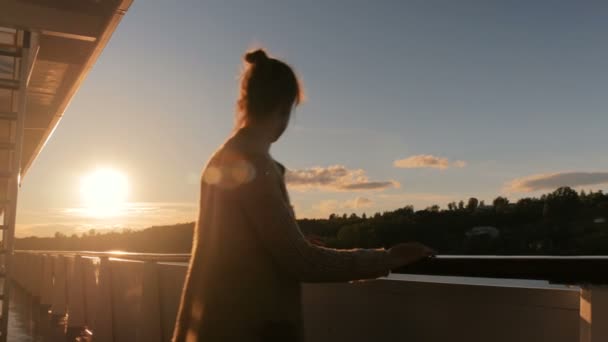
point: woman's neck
(257, 136)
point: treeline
(563, 222)
(161, 239)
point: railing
(134, 297)
(556, 269)
(117, 296)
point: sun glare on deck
(104, 192)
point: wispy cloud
(377, 202)
(334, 178)
(459, 163)
(327, 207)
(427, 161)
(358, 203)
(551, 181)
(418, 200)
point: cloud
(334, 178)
(551, 181)
(427, 161)
(327, 207)
(358, 203)
(459, 164)
(377, 202)
(418, 200)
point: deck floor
(29, 322)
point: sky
(407, 102)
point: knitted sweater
(249, 256)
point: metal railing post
(46, 287)
(149, 327)
(59, 297)
(76, 308)
(103, 319)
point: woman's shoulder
(234, 151)
(232, 166)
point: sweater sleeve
(277, 230)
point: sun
(104, 192)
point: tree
(500, 204)
(405, 211)
(452, 206)
(434, 208)
(472, 204)
(349, 236)
(529, 208)
(461, 205)
(603, 208)
(562, 203)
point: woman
(249, 256)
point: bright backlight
(104, 192)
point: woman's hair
(266, 84)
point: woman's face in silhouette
(281, 121)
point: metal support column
(23, 53)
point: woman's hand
(408, 253)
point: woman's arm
(278, 231)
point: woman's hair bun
(256, 56)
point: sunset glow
(104, 192)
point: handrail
(156, 257)
(584, 269)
